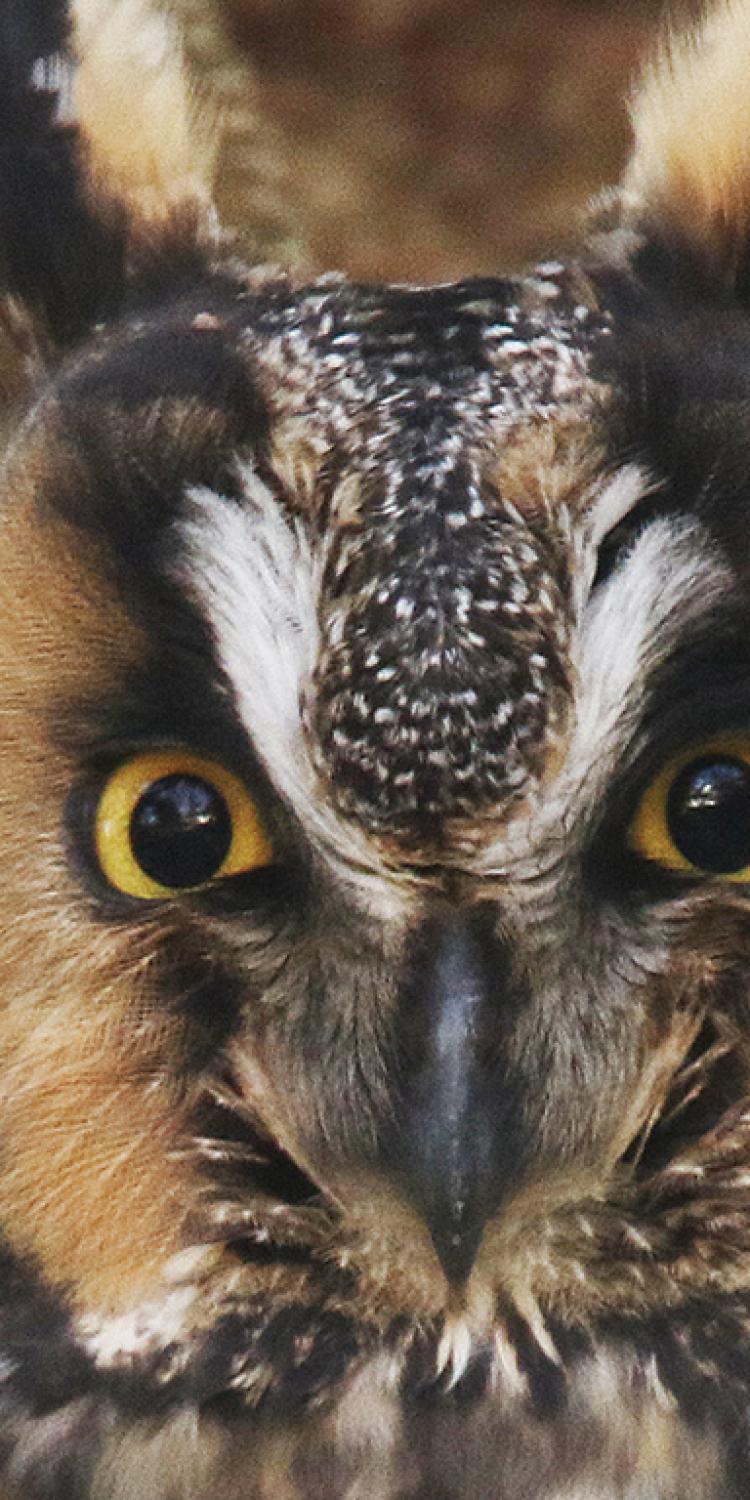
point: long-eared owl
(374, 823)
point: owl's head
(375, 764)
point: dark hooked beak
(459, 1145)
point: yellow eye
(168, 821)
(695, 815)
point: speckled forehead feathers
(436, 424)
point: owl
(374, 823)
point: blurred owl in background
(374, 824)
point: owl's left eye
(170, 821)
(695, 815)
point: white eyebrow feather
(672, 576)
(257, 583)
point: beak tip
(456, 1246)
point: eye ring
(694, 816)
(191, 816)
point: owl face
(375, 848)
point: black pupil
(708, 813)
(180, 830)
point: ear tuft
(58, 265)
(105, 167)
(688, 183)
(145, 144)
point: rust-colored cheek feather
(374, 817)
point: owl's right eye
(170, 821)
(695, 815)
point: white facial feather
(610, 505)
(254, 576)
(670, 579)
